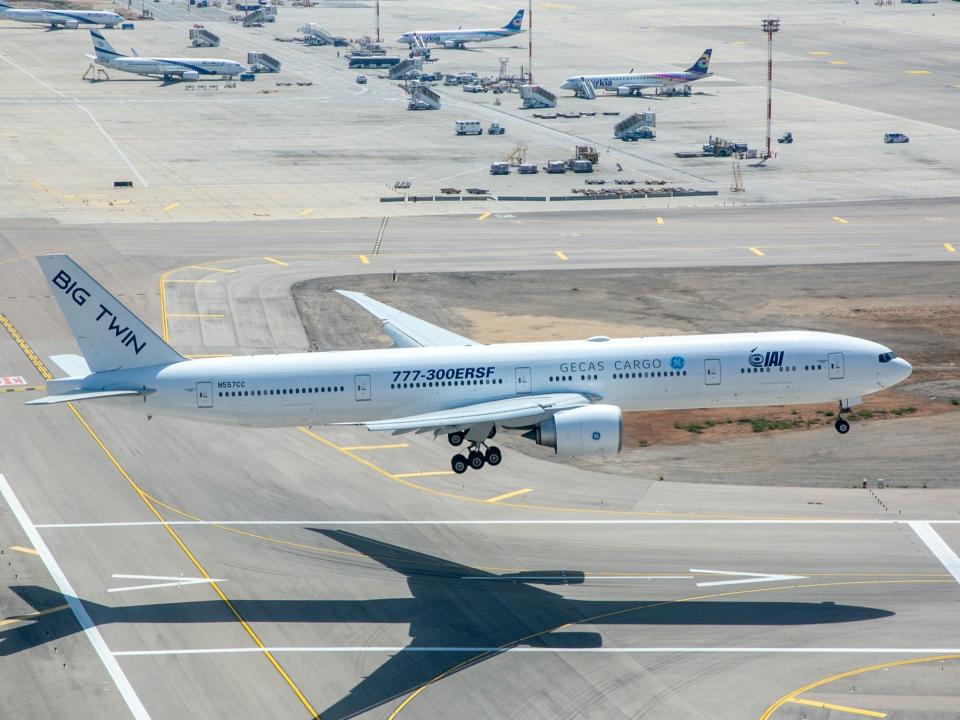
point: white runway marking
(79, 611)
(177, 581)
(751, 577)
(96, 122)
(938, 547)
(366, 649)
(622, 521)
(559, 580)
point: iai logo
(676, 362)
(596, 435)
(756, 359)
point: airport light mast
(529, 42)
(770, 26)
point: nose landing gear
(842, 425)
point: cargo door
(711, 371)
(835, 366)
(204, 394)
(361, 387)
(524, 384)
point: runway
(330, 572)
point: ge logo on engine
(596, 435)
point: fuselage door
(711, 371)
(204, 394)
(361, 387)
(835, 366)
(524, 384)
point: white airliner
(631, 82)
(565, 395)
(68, 18)
(167, 68)
(458, 38)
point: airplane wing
(75, 396)
(406, 330)
(520, 411)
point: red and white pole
(530, 40)
(770, 26)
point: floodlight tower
(770, 26)
(530, 41)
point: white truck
(467, 127)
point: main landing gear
(842, 424)
(479, 454)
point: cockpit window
(887, 356)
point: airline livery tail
(702, 66)
(109, 335)
(516, 23)
(102, 48)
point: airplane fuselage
(44, 16)
(635, 81)
(456, 37)
(656, 373)
(172, 66)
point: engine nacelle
(72, 24)
(587, 430)
(190, 75)
(449, 44)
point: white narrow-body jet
(459, 38)
(565, 395)
(633, 83)
(167, 68)
(59, 18)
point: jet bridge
(260, 62)
(535, 96)
(201, 37)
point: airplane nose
(903, 368)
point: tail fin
(702, 65)
(102, 48)
(516, 23)
(109, 335)
(4, 6)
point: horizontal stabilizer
(73, 397)
(513, 412)
(72, 365)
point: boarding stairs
(261, 62)
(637, 121)
(201, 37)
(423, 98)
(405, 68)
(255, 19)
(317, 35)
(535, 96)
(585, 90)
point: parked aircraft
(564, 395)
(458, 38)
(629, 83)
(168, 68)
(56, 18)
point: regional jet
(458, 38)
(167, 68)
(54, 18)
(567, 395)
(633, 83)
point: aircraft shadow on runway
(451, 606)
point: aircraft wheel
(493, 456)
(842, 426)
(476, 460)
(459, 464)
(456, 438)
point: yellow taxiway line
(485, 215)
(756, 251)
(211, 269)
(838, 708)
(28, 551)
(281, 263)
(305, 212)
(659, 220)
(171, 206)
(508, 495)
(364, 259)
(949, 248)
(376, 447)
(840, 220)
(561, 255)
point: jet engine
(587, 430)
(190, 75)
(449, 44)
(72, 24)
